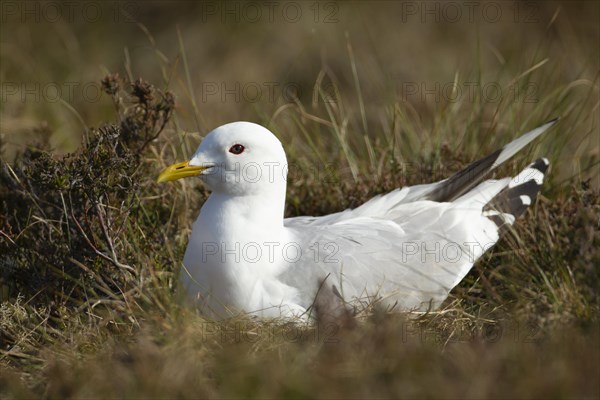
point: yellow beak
(181, 170)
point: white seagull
(406, 249)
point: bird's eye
(237, 149)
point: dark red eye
(237, 149)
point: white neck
(263, 211)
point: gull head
(240, 158)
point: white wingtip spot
(526, 200)
(545, 160)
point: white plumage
(407, 248)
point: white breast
(234, 265)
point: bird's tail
(520, 193)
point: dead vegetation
(90, 245)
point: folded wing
(410, 247)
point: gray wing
(410, 261)
(407, 248)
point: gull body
(406, 249)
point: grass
(90, 246)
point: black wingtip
(541, 164)
(553, 121)
(520, 193)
